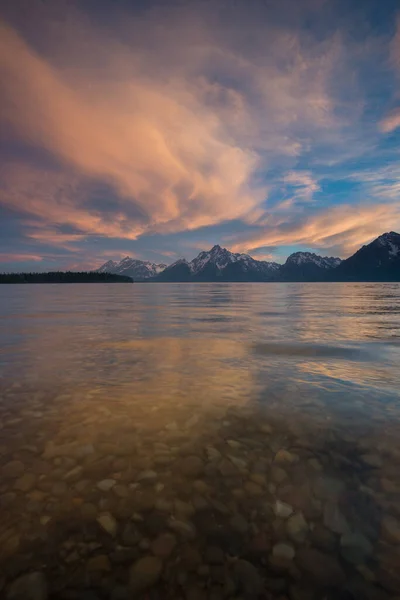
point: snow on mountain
(219, 264)
(108, 267)
(220, 258)
(138, 269)
(391, 241)
(323, 262)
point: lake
(200, 441)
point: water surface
(253, 428)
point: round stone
(323, 568)
(283, 551)
(277, 474)
(283, 510)
(98, 563)
(334, 519)
(145, 573)
(108, 523)
(355, 548)
(26, 482)
(106, 484)
(285, 457)
(164, 545)
(297, 528)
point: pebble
(148, 475)
(100, 562)
(32, 586)
(145, 573)
(283, 551)
(334, 519)
(121, 491)
(285, 457)
(106, 485)
(183, 528)
(164, 545)
(26, 482)
(277, 474)
(283, 510)
(297, 528)
(253, 489)
(323, 568)
(247, 578)
(212, 453)
(108, 523)
(355, 548)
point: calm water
(200, 441)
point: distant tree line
(64, 277)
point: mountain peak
(324, 262)
(388, 237)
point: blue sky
(156, 130)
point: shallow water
(200, 441)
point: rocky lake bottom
(234, 502)
(200, 442)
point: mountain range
(377, 261)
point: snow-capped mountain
(307, 266)
(108, 267)
(219, 264)
(139, 270)
(323, 262)
(377, 261)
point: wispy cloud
(10, 257)
(341, 228)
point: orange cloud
(9, 258)
(344, 228)
(151, 121)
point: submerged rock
(108, 523)
(334, 519)
(247, 579)
(164, 545)
(106, 484)
(283, 551)
(145, 573)
(32, 586)
(323, 568)
(297, 528)
(26, 482)
(283, 510)
(355, 548)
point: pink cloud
(10, 257)
(344, 228)
(148, 118)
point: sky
(156, 129)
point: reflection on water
(200, 441)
